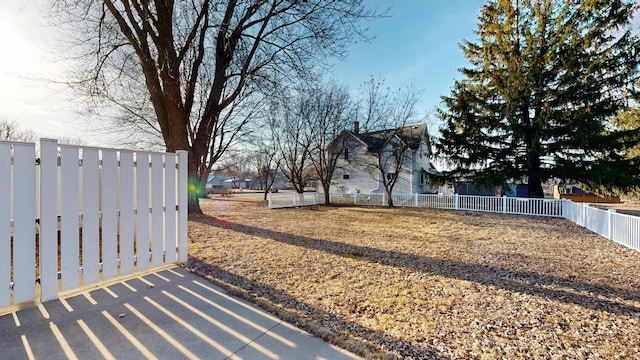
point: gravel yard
(422, 284)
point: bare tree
(267, 162)
(9, 130)
(71, 140)
(174, 68)
(386, 115)
(330, 115)
(291, 132)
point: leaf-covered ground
(422, 284)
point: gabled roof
(213, 177)
(411, 135)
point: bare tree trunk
(387, 191)
(327, 195)
(195, 182)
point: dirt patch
(419, 283)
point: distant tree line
(11, 131)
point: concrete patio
(166, 314)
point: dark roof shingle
(411, 135)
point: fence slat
(142, 211)
(170, 203)
(157, 228)
(90, 216)
(5, 224)
(109, 215)
(24, 244)
(125, 204)
(48, 234)
(69, 225)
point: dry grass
(413, 283)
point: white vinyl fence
(621, 228)
(624, 229)
(74, 215)
(507, 205)
(293, 200)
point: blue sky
(418, 42)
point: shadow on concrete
(167, 314)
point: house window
(346, 153)
(397, 151)
(424, 178)
(345, 177)
(390, 176)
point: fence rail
(622, 228)
(77, 215)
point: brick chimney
(356, 127)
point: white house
(357, 170)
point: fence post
(183, 186)
(504, 204)
(48, 219)
(315, 198)
(416, 201)
(610, 215)
(457, 201)
(384, 198)
(355, 198)
(295, 199)
(270, 200)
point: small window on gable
(345, 177)
(346, 153)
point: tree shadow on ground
(506, 220)
(566, 290)
(328, 326)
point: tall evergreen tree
(545, 79)
(628, 120)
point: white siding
(364, 177)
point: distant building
(356, 168)
(470, 188)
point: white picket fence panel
(106, 212)
(538, 207)
(403, 200)
(621, 228)
(625, 229)
(435, 201)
